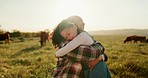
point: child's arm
(92, 63)
(82, 38)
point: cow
(128, 39)
(43, 37)
(5, 37)
(147, 40)
(135, 39)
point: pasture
(27, 59)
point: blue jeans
(99, 71)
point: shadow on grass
(130, 70)
(26, 50)
(142, 53)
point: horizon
(46, 30)
(39, 15)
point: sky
(39, 15)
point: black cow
(5, 37)
(135, 39)
(147, 40)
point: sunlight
(36, 15)
(65, 8)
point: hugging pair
(79, 55)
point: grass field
(26, 59)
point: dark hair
(57, 38)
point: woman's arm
(82, 39)
(92, 63)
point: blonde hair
(77, 20)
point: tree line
(17, 33)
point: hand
(92, 63)
(55, 56)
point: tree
(16, 33)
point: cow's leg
(6, 41)
(44, 42)
(41, 43)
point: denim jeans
(99, 71)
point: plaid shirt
(71, 65)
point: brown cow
(128, 39)
(43, 37)
(135, 39)
(5, 37)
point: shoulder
(83, 34)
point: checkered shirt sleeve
(86, 52)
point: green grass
(28, 60)
(125, 60)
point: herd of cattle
(44, 36)
(136, 39)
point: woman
(69, 31)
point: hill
(121, 32)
